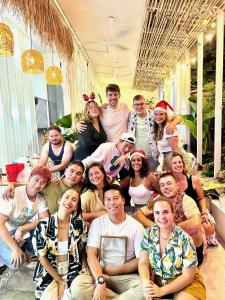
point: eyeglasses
(139, 104)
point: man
(55, 188)
(19, 218)
(187, 214)
(114, 117)
(73, 179)
(113, 156)
(140, 123)
(115, 239)
(58, 150)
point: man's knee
(82, 287)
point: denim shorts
(6, 252)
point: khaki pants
(121, 287)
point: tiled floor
(21, 287)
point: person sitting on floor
(186, 212)
(19, 217)
(58, 242)
(191, 186)
(114, 238)
(141, 182)
(92, 198)
(55, 188)
(170, 251)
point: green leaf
(65, 121)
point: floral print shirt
(45, 243)
(179, 253)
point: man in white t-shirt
(112, 253)
(19, 217)
(114, 116)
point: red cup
(13, 171)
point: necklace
(165, 238)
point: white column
(219, 90)
(178, 87)
(187, 92)
(199, 97)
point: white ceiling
(111, 43)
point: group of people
(77, 228)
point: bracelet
(202, 214)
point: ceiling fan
(112, 40)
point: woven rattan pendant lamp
(6, 41)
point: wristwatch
(100, 280)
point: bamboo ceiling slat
(170, 28)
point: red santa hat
(139, 153)
(163, 106)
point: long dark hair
(90, 185)
(145, 169)
(158, 131)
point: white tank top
(62, 247)
(139, 194)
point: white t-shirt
(115, 121)
(102, 235)
(163, 145)
(20, 209)
(142, 139)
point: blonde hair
(86, 110)
(168, 162)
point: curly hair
(90, 185)
(44, 172)
(145, 169)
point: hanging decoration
(6, 41)
(32, 62)
(53, 75)
(43, 18)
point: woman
(172, 256)
(92, 199)
(142, 181)
(93, 136)
(58, 241)
(165, 142)
(20, 215)
(190, 185)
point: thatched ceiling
(170, 28)
(41, 17)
